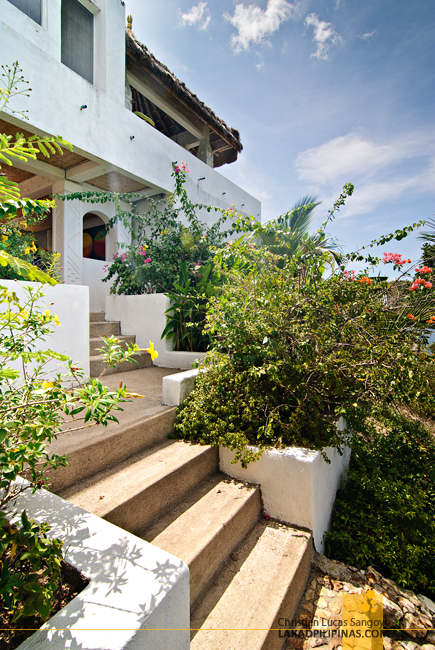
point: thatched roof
(140, 54)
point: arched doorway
(94, 239)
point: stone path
(319, 618)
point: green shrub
(293, 351)
(30, 568)
(385, 516)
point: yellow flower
(154, 354)
(165, 232)
(27, 251)
(33, 247)
(24, 313)
(47, 384)
(4, 238)
(56, 320)
(23, 224)
(47, 313)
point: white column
(68, 235)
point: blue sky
(323, 92)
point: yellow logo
(363, 621)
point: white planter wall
(135, 587)
(71, 305)
(93, 275)
(297, 485)
(145, 317)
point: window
(78, 39)
(30, 7)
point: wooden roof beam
(168, 105)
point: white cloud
(254, 24)
(372, 167)
(198, 15)
(367, 35)
(354, 154)
(324, 35)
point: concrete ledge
(177, 387)
(297, 485)
(138, 595)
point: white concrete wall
(101, 132)
(71, 304)
(297, 485)
(93, 275)
(135, 587)
(144, 316)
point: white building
(88, 76)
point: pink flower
(395, 258)
(181, 168)
(428, 285)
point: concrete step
(134, 493)
(96, 316)
(94, 450)
(96, 343)
(206, 527)
(97, 364)
(262, 582)
(103, 328)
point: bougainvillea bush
(166, 236)
(294, 350)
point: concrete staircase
(99, 328)
(245, 572)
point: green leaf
(25, 269)
(9, 373)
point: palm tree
(289, 234)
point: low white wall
(138, 595)
(297, 485)
(145, 317)
(93, 275)
(71, 304)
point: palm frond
(428, 236)
(301, 214)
